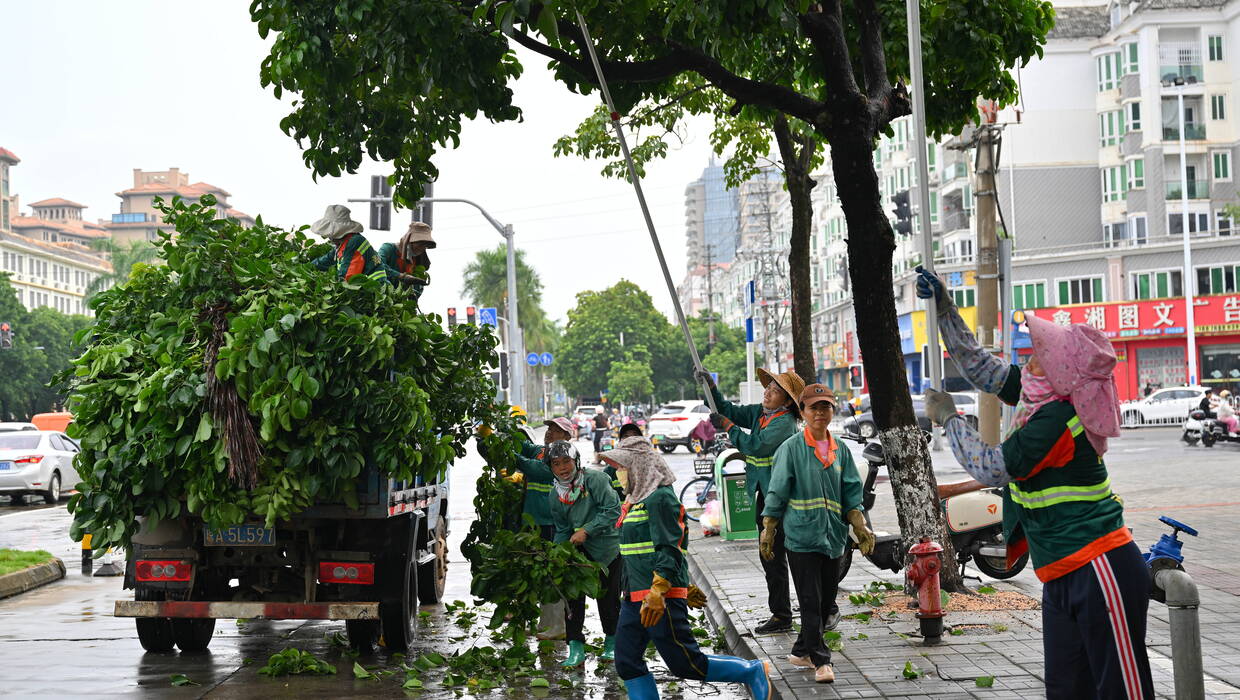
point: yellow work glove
(865, 536)
(696, 598)
(485, 430)
(653, 605)
(517, 478)
(766, 543)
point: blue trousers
(672, 636)
(1093, 629)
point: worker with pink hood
(1058, 504)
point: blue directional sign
(546, 359)
(487, 316)
(532, 359)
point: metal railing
(1180, 59)
(1197, 189)
(1192, 132)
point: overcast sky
(96, 89)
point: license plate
(239, 536)
(5, 466)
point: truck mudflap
(251, 611)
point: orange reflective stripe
(356, 266)
(639, 596)
(1084, 555)
(1061, 454)
(766, 420)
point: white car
(11, 427)
(37, 462)
(1163, 407)
(673, 423)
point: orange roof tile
(195, 190)
(73, 228)
(79, 251)
(6, 154)
(58, 202)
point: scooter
(1207, 430)
(974, 520)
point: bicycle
(701, 490)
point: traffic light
(470, 316)
(856, 379)
(6, 336)
(503, 370)
(451, 317)
(380, 212)
(904, 214)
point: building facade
(139, 220)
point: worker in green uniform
(352, 254)
(656, 591)
(768, 424)
(409, 259)
(627, 431)
(816, 492)
(584, 509)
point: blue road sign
(546, 359)
(532, 359)
(714, 377)
(487, 316)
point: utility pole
(988, 411)
(710, 300)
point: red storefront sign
(1154, 318)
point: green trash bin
(739, 519)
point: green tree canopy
(123, 258)
(630, 379)
(42, 346)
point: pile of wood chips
(898, 602)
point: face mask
(622, 475)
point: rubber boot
(737, 670)
(551, 622)
(642, 688)
(609, 649)
(576, 655)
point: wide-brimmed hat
(335, 224)
(1078, 361)
(789, 381)
(562, 423)
(817, 393)
(419, 232)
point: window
(1110, 127)
(1218, 107)
(1222, 223)
(1217, 280)
(965, 296)
(1132, 115)
(1156, 285)
(1221, 160)
(1114, 183)
(1216, 47)
(934, 208)
(1083, 290)
(1109, 70)
(1137, 230)
(1114, 234)
(1198, 222)
(1132, 53)
(1031, 295)
(1136, 173)
(966, 196)
(932, 150)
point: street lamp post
(1186, 278)
(516, 355)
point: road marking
(25, 512)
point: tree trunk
(797, 178)
(871, 243)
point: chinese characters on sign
(1213, 314)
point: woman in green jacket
(814, 490)
(584, 509)
(408, 258)
(657, 594)
(768, 424)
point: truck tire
(398, 607)
(154, 633)
(666, 448)
(363, 634)
(433, 575)
(193, 634)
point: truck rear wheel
(193, 634)
(362, 634)
(154, 633)
(433, 576)
(398, 607)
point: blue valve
(1169, 546)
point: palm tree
(485, 283)
(123, 258)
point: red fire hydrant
(924, 574)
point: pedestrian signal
(856, 379)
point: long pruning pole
(641, 199)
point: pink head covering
(1078, 361)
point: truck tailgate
(252, 611)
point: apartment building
(139, 220)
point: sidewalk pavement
(1006, 645)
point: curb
(33, 577)
(739, 637)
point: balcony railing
(1197, 189)
(1180, 59)
(1192, 132)
(1188, 72)
(129, 218)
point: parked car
(864, 425)
(1163, 407)
(671, 425)
(37, 462)
(966, 405)
(10, 427)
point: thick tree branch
(873, 57)
(652, 70)
(824, 26)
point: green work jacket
(759, 444)
(652, 538)
(812, 495)
(353, 256)
(610, 471)
(1059, 506)
(596, 510)
(398, 265)
(538, 482)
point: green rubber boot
(609, 649)
(576, 655)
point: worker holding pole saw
(658, 619)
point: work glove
(703, 377)
(939, 406)
(517, 478)
(653, 605)
(485, 430)
(931, 285)
(721, 422)
(766, 542)
(865, 536)
(696, 598)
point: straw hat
(789, 381)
